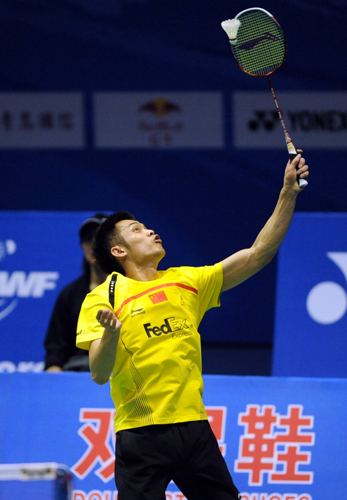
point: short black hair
(105, 238)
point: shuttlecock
(231, 27)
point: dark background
(205, 204)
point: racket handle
(302, 182)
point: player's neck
(148, 272)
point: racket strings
(261, 45)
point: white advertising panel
(158, 120)
(41, 120)
(313, 119)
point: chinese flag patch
(158, 297)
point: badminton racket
(259, 47)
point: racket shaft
(290, 146)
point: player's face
(143, 244)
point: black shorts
(148, 458)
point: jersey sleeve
(88, 327)
(209, 280)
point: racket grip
(302, 182)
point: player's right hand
(296, 168)
(108, 320)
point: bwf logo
(327, 301)
(18, 284)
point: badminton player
(141, 330)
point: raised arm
(243, 264)
(102, 352)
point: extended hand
(108, 320)
(294, 169)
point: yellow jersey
(157, 377)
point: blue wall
(205, 203)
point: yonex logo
(267, 120)
(302, 120)
(327, 301)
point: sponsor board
(312, 281)
(22, 366)
(158, 120)
(313, 119)
(98, 433)
(281, 438)
(39, 254)
(276, 453)
(41, 120)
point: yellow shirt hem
(133, 424)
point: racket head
(261, 45)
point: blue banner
(282, 439)
(101, 110)
(39, 254)
(311, 304)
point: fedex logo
(98, 433)
(170, 325)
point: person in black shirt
(60, 341)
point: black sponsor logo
(170, 325)
(158, 330)
(136, 312)
(263, 119)
(326, 121)
(302, 120)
